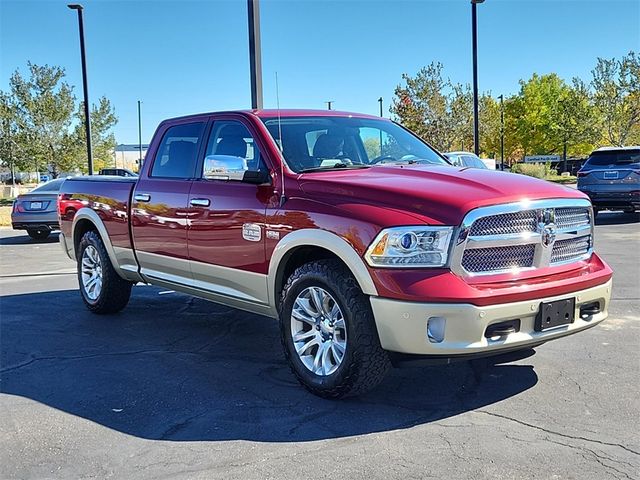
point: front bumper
(402, 326)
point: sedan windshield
(323, 143)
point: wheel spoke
(339, 325)
(317, 298)
(306, 346)
(302, 315)
(303, 336)
(305, 304)
(317, 360)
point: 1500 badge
(252, 232)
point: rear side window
(176, 156)
(614, 157)
(52, 186)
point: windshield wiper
(342, 166)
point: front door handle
(142, 197)
(200, 202)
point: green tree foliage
(616, 85)
(546, 116)
(42, 123)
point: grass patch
(6, 202)
(5, 216)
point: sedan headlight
(403, 247)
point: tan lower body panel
(402, 326)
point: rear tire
(102, 289)
(38, 234)
(345, 328)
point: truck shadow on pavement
(177, 368)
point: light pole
(474, 35)
(380, 102)
(139, 136)
(87, 118)
(501, 97)
(329, 103)
(255, 55)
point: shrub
(537, 170)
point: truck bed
(108, 196)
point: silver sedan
(37, 211)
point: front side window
(313, 143)
(176, 156)
(231, 151)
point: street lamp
(501, 97)
(139, 137)
(380, 102)
(329, 103)
(474, 35)
(87, 118)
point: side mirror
(257, 177)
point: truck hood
(438, 195)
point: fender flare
(329, 241)
(86, 213)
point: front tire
(40, 234)
(103, 290)
(328, 332)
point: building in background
(128, 156)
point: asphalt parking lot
(176, 387)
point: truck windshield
(319, 143)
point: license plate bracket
(554, 314)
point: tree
(616, 86)
(103, 142)
(575, 120)
(422, 106)
(43, 124)
(44, 106)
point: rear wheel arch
(87, 220)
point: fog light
(435, 329)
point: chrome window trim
(542, 258)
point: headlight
(403, 247)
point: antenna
(283, 197)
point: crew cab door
(160, 204)
(227, 224)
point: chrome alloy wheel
(91, 272)
(318, 330)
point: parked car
(368, 259)
(611, 178)
(36, 211)
(120, 172)
(466, 159)
(44, 178)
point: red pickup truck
(361, 239)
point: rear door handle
(200, 202)
(142, 197)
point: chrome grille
(572, 217)
(502, 239)
(505, 223)
(570, 249)
(498, 258)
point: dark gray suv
(611, 178)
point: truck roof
(283, 112)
